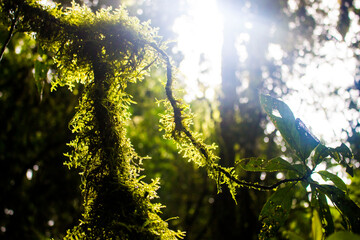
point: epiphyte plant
(107, 50)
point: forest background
(40, 197)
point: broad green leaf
(276, 210)
(304, 184)
(307, 140)
(325, 214)
(318, 201)
(340, 154)
(350, 211)
(282, 117)
(316, 227)
(294, 132)
(321, 152)
(300, 168)
(335, 179)
(344, 236)
(262, 165)
(344, 150)
(349, 170)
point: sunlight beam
(200, 40)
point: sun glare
(200, 40)
(318, 96)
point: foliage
(301, 140)
(107, 50)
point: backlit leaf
(340, 154)
(316, 227)
(321, 152)
(294, 132)
(325, 214)
(335, 179)
(319, 202)
(350, 211)
(344, 150)
(307, 140)
(276, 210)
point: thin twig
(11, 33)
(258, 186)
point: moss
(104, 51)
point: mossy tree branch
(10, 34)
(104, 51)
(179, 127)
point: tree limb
(11, 33)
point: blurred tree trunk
(225, 220)
(240, 126)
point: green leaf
(294, 132)
(262, 165)
(344, 235)
(307, 140)
(349, 170)
(335, 179)
(282, 117)
(321, 152)
(276, 210)
(344, 150)
(325, 214)
(340, 154)
(301, 169)
(318, 200)
(316, 227)
(350, 211)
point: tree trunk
(238, 220)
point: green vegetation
(103, 56)
(104, 51)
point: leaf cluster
(303, 143)
(300, 140)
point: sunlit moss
(104, 51)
